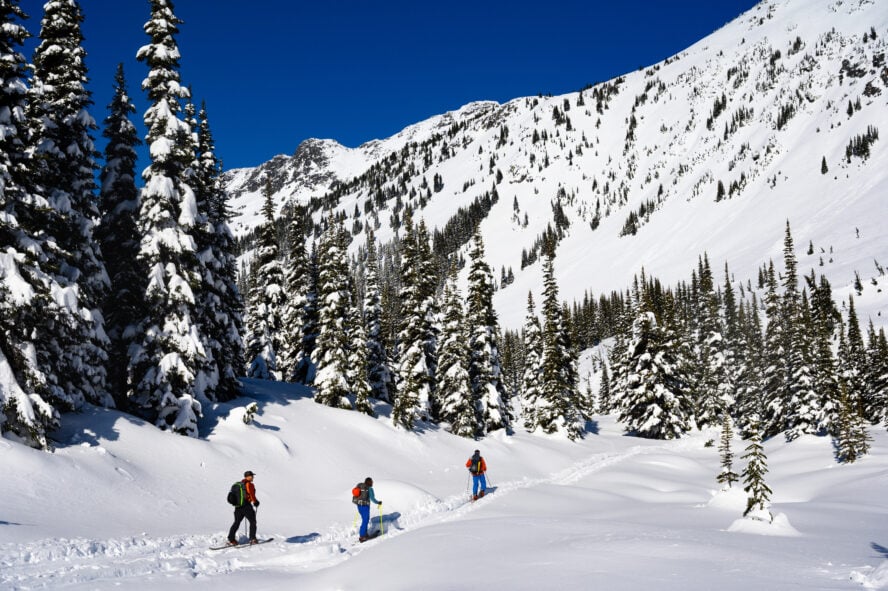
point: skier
(477, 466)
(246, 509)
(363, 499)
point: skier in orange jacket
(477, 466)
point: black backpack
(236, 495)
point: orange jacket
(483, 465)
(250, 489)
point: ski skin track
(65, 562)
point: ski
(245, 545)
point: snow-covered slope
(122, 505)
(757, 107)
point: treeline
(109, 295)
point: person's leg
(364, 510)
(251, 518)
(238, 517)
(475, 483)
(483, 480)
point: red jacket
(483, 466)
(250, 489)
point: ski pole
(381, 530)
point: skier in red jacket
(246, 509)
(477, 466)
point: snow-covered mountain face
(774, 117)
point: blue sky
(275, 72)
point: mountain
(709, 151)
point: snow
(121, 504)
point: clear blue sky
(275, 72)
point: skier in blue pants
(363, 499)
(477, 466)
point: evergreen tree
(533, 367)
(118, 233)
(654, 402)
(805, 409)
(221, 310)
(485, 371)
(758, 494)
(852, 367)
(604, 391)
(357, 355)
(414, 381)
(774, 380)
(332, 387)
(25, 413)
(165, 363)
(297, 280)
(457, 404)
(826, 384)
(74, 343)
(378, 372)
(266, 300)
(852, 440)
(558, 406)
(877, 373)
(727, 476)
(714, 391)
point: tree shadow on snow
(260, 392)
(303, 539)
(592, 427)
(91, 425)
(880, 549)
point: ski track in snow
(53, 562)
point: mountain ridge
(709, 151)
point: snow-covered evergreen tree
(118, 233)
(266, 300)
(331, 355)
(533, 367)
(221, 304)
(414, 376)
(357, 356)
(714, 391)
(826, 385)
(654, 403)
(72, 341)
(457, 403)
(25, 414)
(758, 494)
(802, 403)
(852, 441)
(852, 363)
(484, 358)
(297, 277)
(877, 373)
(165, 364)
(774, 381)
(750, 400)
(379, 373)
(558, 405)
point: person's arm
(483, 466)
(373, 497)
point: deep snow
(122, 505)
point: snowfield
(123, 505)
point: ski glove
(256, 504)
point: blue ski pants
(477, 481)
(364, 511)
